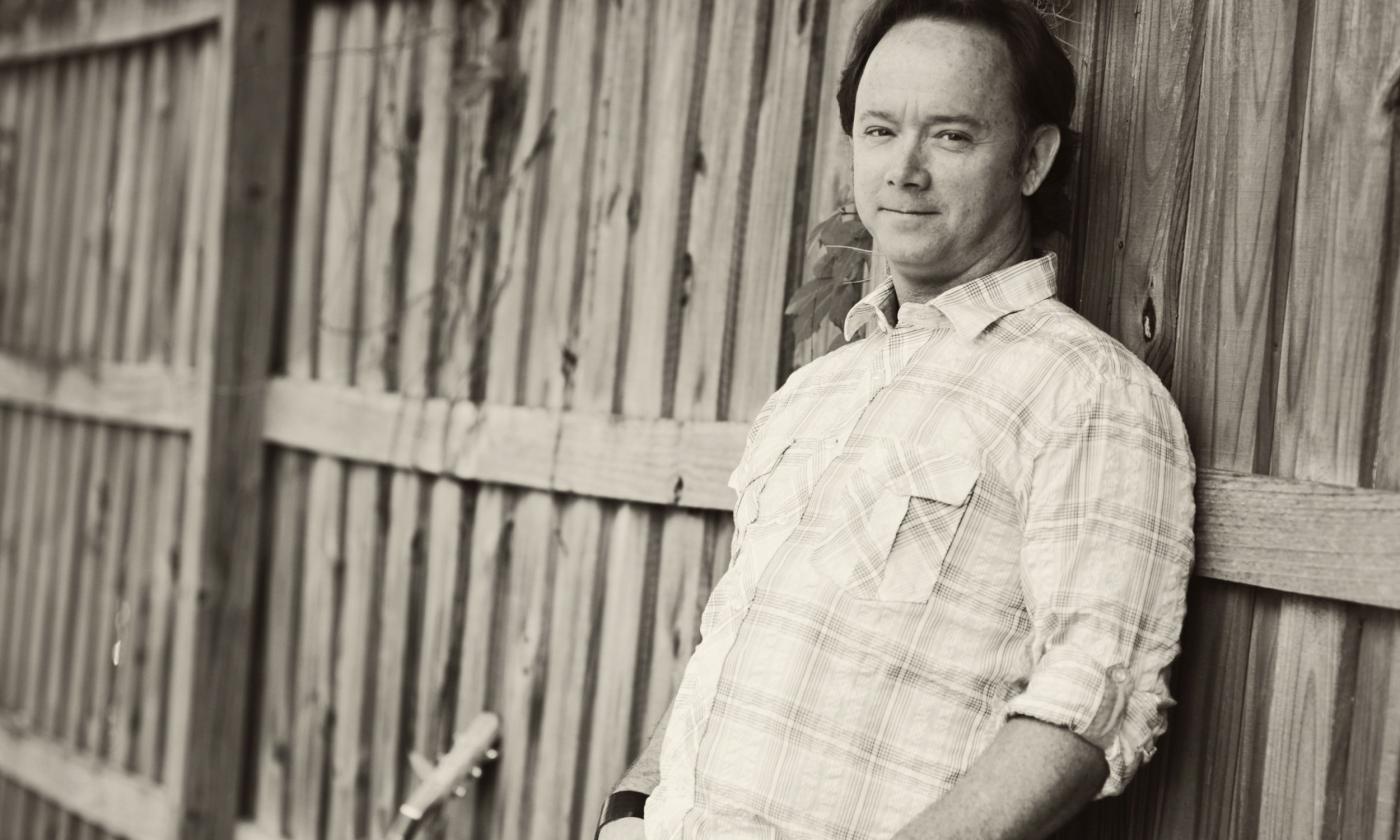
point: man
(961, 544)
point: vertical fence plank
(125, 191)
(54, 461)
(316, 645)
(192, 266)
(31, 310)
(19, 446)
(110, 609)
(143, 250)
(308, 242)
(478, 683)
(69, 114)
(396, 653)
(524, 629)
(132, 608)
(283, 588)
(572, 623)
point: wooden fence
(369, 366)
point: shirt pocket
(899, 516)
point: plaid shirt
(982, 511)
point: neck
(1016, 248)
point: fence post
(220, 541)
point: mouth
(910, 212)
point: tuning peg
(492, 754)
(422, 767)
(459, 791)
(476, 772)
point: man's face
(936, 147)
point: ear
(1040, 150)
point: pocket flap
(923, 472)
(758, 463)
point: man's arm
(645, 773)
(643, 776)
(1030, 781)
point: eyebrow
(963, 119)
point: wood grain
(47, 36)
(120, 803)
(222, 514)
(277, 711)
(776, 211)
(308, 242)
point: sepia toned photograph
(699, 419)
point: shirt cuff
(1106, 703)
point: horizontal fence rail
(123, 804)
(99, 26)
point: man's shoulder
(1082, 351)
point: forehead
(938, 64)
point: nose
(907, 170)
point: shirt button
(1118, 674)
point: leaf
(804, 299)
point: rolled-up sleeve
(1105, 562)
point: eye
(877, 131)
(953, 138)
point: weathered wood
(365, 198)
(303, 306)
(165, 562)
(81, 203)
(169, 217)
(145, 235)
(193, 267)
(15, 234)
(277, 712)
(355, 661)
(316, 647)
(831, 162)
(109, 615)
(56, 248)
(443, 609)
(67, 522)
(434, 36)
(1338, 241)
(12, 564)
(393, 667)
(1132, 249)
(31, 35)
(122, 804)
(209, 666)
(1303, 537)
(31, 273)
(523, 636)
(776, 211)
(55, 461)
(130, 141)
(573, 621)
(479, 686)
(128, 654)
(149, 396)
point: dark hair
(1042, 76)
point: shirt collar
(970, 307)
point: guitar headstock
(471, 748)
